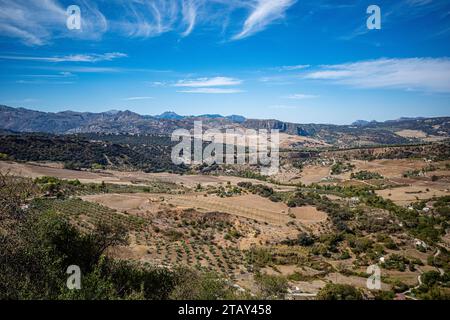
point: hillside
(149, 154)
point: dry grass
(406, 195)
(411, 134)
(246, 206)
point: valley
(333, 209)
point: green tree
(271, 286)
(339, 292)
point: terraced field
(247, 206)
(84, 213)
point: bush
(339, 292)
(430, 278)
(260, 257)
(396, 262)
(305, 239)
(340, 167)
(271, 286)
(193, 285)
(399, 286)
(366, 175)
(360, 245)
(384, 295)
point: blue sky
(300, 61)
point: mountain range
(404, 130)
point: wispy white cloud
(189, 13)
(88, 69)
(137, 98)
(300, 96)
(37, 22)
(293, 68)
(209, 85)
(421, 74)
(396, 13)
(29, 20)
(211, 91)
(208, 82)
(418, 2)
(58, 78)
(73, 69)
(156, 84)
(41, 82)
(141, 18)
(50, 76)
(70, 58)
(26, 100)
(264, 12)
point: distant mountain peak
(362, 123)
(236, 118)
(169, 115)
(406, 119)
(112, 111)
(232, 118)
(211, 116)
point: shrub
(339, 292)
(366, 175)
(340, 167)
(271, 286)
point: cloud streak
(211, 91)
(37, 22)
(189, 13)
(70, 58)
(293, 68)
(138, 98)
(264, 13)
(301, 96)
(209, 85)
(208, 82)
(419, 74)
